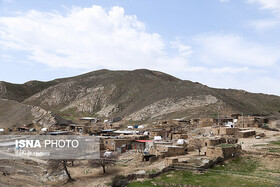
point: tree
(58, 165)
(106, 159)
(198, 146)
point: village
(165, 145)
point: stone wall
(245, 134)
(223, 152)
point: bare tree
(198, 146)
(106, 159)
(58, 165)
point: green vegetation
(152, 171)
(240, 164)
(207, 179)
(122, 165)
(225, 145)
(274, 149)
(240, 171)
(273, 146)
(275, 143)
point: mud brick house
(167, 150)
(75, 127)
(177, 136)
(170, 161)
(158, 132)
(113, 144)
(114, 119)
(141, 145)
(223, 151)
(231, 140)
(89, 120)
(206, 122)
(224, 130)
(108, 132)
(110, 125)
(250, 121)
(245, 133)
(213, 141)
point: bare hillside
(137, 95)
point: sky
(220, 43)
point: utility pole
(242, 120)
(218, 115)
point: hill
(14, 114)
(137, 95)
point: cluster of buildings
(164, 138)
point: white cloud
(184, 50)
(273, 5)
(217, 49)
(7, 1)
(264, 24)
(89, 38)
(224, 1)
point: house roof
(88, 118)
(143, 141)
(108, 130)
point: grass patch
(275, 143)
(240, 171)
(151, 171)
(274, 149)
(122, 165)
(206, 179)
(226, 145)
(240, 164)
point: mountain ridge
(136, 95)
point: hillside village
(193, 144)
(154, 125)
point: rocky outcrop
(3, 89)
(43, 117)
(14, 114)
(167, 106)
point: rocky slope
(15, 114)
(136, 95)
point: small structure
(157, 138)
(169, 161)
(76, 128)
(206, 122)
(120, 145)
(141, 145)
(108, 132)
(114, 119)
(250, 121)
(177, 136)
(111, 125)
(23, 129)
(223, 151)
(126, 132)
(181, 142)
(89, 119)
(167, 150)
(214, 141)
(245, 133)
(157, 132)
(225, 130)
(55, 133)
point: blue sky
(220, 43)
